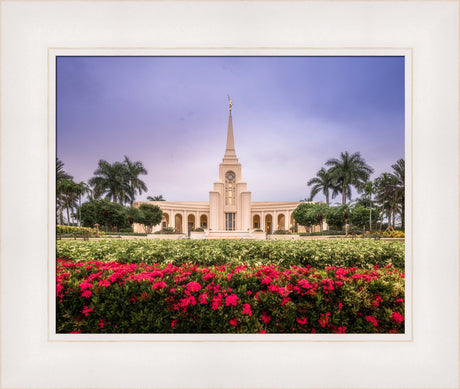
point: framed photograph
(82, 95)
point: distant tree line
(381, 198)
(110, 195)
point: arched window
(230, 188)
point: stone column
(172, 219)
(184, 222)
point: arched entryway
(178, 222)
(165, 221)
(268, 224)
(204, 221)
(281, 222)
(191, 223)
(256, 222)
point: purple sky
(290, 115)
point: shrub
(100, 297)
(64, 230)
(394, 234)
(166, 230)
(282, 232)
(361, 253)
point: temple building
(229, 211)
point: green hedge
(361, 253)
(63, 230)
(101, 297)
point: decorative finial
(230, 103)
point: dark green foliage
(110, 216)
(149, 216)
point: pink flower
(247, 309)
(324, 319)
(305, 284)
(266, 280)
(159, 285)
(231, 300)
(203, 298)
(86, 311)
(173, 323)
(398, 318)
(193, 286)
(302, 321)
(372, 320)
(216, 301)
(104, 283)
(233, 322)
(86, 294)
(262, 332)
(75, 332)
(266, 318)
(85, 285)
(101, 324)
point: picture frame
(35, 30)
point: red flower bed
(109, 297)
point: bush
(361, 253)
(166, 230)
(127, 229)
(64, 230)
(282, 232)
(99, 297)
(394, 234)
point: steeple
(230, 154)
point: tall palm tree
(347, 171)
(68, 192)
(80, 189)
(61, 175)
(386, 195)
(156, 198)
(111, 180)
(135, 169)
(399, 174)
(322, 183)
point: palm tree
(156, 198)
(80, 189)
(111, 180)
(68, 194)
(61, 175)
(348, 171)
(399, 174)
(322, 183)
(387, 196)
(135, 169)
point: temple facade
(230, 209)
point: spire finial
(230, 103)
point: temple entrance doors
(191, 223)
(268, 224)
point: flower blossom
(193, 286)
(231, 300)
(397, 317)
(247, 309)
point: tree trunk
(344, 195)
(115, 198)
(61, 216)
(327, 198)
(68, 217)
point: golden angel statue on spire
(230, 102)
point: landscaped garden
(154, 286)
